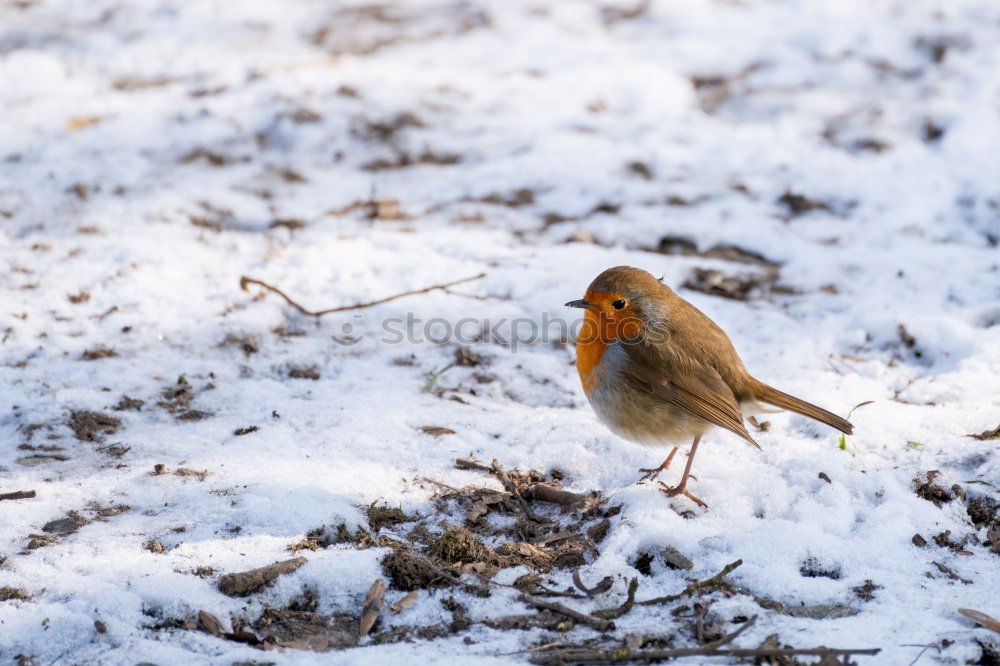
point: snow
(147, 148)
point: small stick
(729, 638)
(451, 489)
(511, 487)
(694, 587)
(246, 281)
(469, 463)
(543, 492)
(600, 588)
(612, 613)
(19, 494)
(582, 618)
(246, 582)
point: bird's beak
(582, 304)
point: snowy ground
(151, 153)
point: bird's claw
(649, 473)
(681, 490)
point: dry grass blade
(372, 607)
(981, 618)
(246, 281)
(858, 406)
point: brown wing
(699, 391)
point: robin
(658, 371)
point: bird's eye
(619, 304)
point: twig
(582, 618)
(451, 489)
(729, 638)
(543, 492)
(246, 281)
(19, 494)
(694, 587)
(497, 470)
(612, 613)
(247, 582)
(537, 648)
(603, 586)
(589, 656)
(470, 463)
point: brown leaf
(981, 618)
(405, 602)
(210, 623)
(436, 431)
(81, 122)
(155, 546)
(372, 607)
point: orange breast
(590, 348)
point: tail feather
(773, 396)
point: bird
(658, 371)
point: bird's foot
(651, 473)
(681, 489)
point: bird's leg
(681, 488)
(652, 473)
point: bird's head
(621, 303)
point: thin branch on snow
(247, 281)
(18, 494)
(589, 656)
(595, 622)
(708, 583)
(536, 492)
(511, 487)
